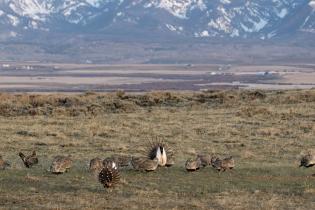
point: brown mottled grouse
(29, 160)
(308, 160)
(60, 164)
(96, 165)
(144, 164)
(222, 164)
(193, 164)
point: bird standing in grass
(109, 176)
(228, 163)
(3, 164)
(96, 165)
(222, 164)
(29, 160)
(60, 164)
(121, 160)
(193, 164)
(308, 161)
(144, 164)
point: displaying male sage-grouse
(222, 164)
(193, 164)
(160, 150)
(29, 160)
(60, 164)
(3, 164)
(109, 175)
(144, 164)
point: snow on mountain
(195, 18)
(312, 4)
(178, 8)
(308, 24)
(34, 9)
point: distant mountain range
(238, 19)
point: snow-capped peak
(35, 9)
(194, 18)
(179, 8)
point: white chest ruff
(161, 156)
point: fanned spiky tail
(109, 176)
(153, 145)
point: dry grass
(264, 131)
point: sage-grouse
(222, 164)
(144, 164)
(29, 160)
(60, 164)
(193, 164)
(96, 165)
(308, 160)
(3, 164)
(160, 150)
(109, 175)
(121, 160)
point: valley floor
(47, 78)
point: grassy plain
(265, 131)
